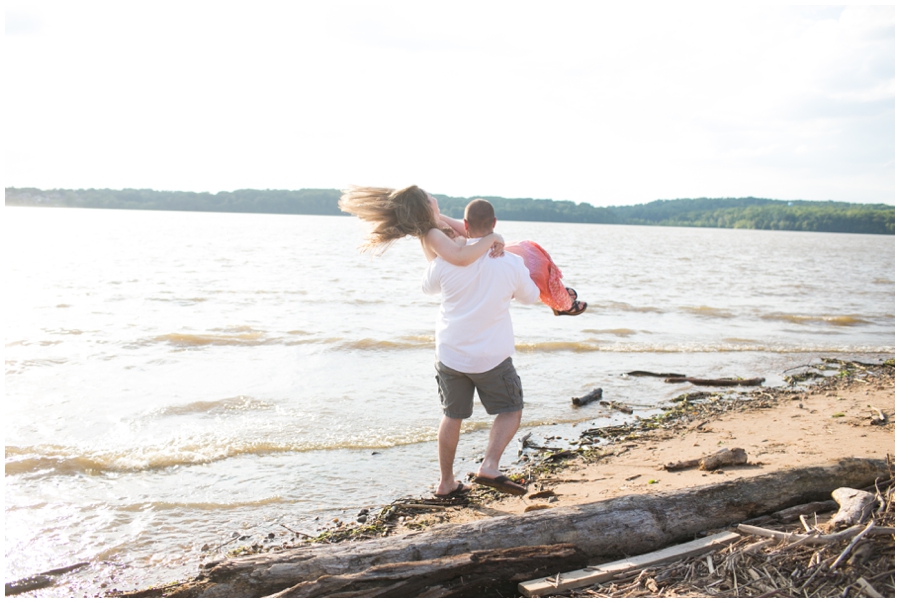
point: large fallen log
(601, 531)
(467, 575)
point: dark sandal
(572, 293)
(461, 490)
(577, 308)
(501, 483)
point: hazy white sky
(598, 102)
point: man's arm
(526, 291)
(431, 281)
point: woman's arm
(458, 226)
(436, 243)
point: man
(474, 345)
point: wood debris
(858, 562)
(722, 458)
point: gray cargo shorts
(499, 389)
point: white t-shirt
(474, 329)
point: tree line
(746, 212)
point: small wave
(723, 346)
(557, 346)
(226, 406)
(314, 340)
(707, 311)
(161, 505)
(242, 336)
(42, 460)
(64, 331)
(840, 321)
(629, 308)
(883, 281)
(616, 332)
(404, 343)
(35, 363)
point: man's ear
(466, 225)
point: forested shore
(747, 212)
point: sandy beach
(778, 429)
(808, 423)
(849, 413)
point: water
(172, 378)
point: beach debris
(717, 382)
(794, 513)
(856, 506)
(679, 378)
(523, 443)
(542, 494)
(596, 394)
(41, 580)
(880, 418)
(618, 406)
(723, 458)
(769, 563)
(536, 507)
(649, 374)
(603, 573)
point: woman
(395, 214)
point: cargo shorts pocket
(513, 386)
(441, 386)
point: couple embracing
(474, 336)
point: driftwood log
(650, 374)
(596, 394)
(601, 531)
(856, 507)
(466, 575)
(723, 458)
(618, 407)
(719, 382)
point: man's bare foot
(459, 490)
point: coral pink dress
(544, 273)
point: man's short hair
(480, 215)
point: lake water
(173, 378)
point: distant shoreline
(731, 213)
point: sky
(607, 103)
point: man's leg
(502, 432)
(448, 438)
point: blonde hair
(393, 213)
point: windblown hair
(480, 215)
(393, 213)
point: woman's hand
(496, 245)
